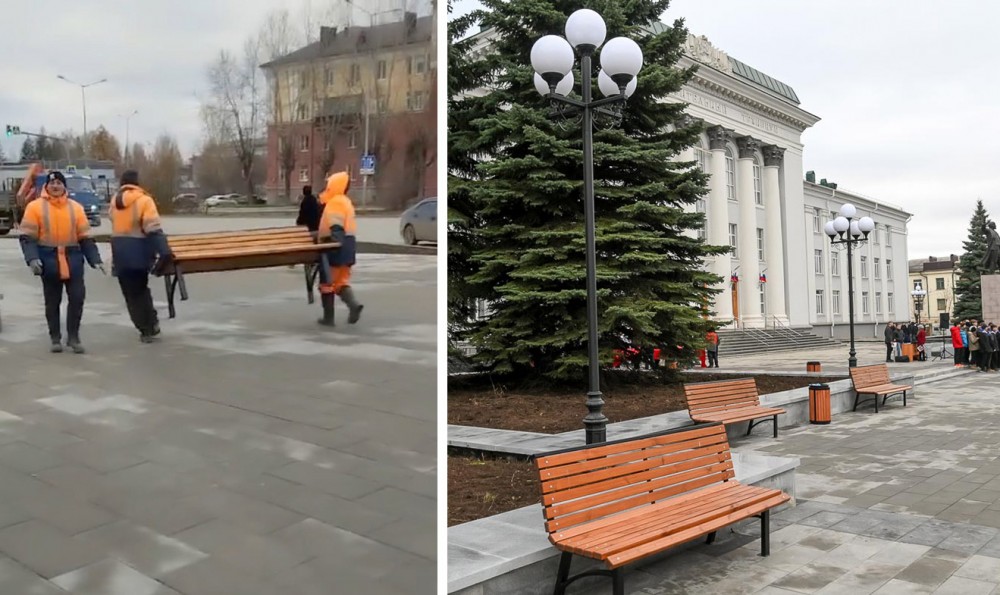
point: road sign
(367, 165)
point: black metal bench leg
(618, 581)
(179, 280)
(749, 427)
(171, 287)
(876, 403)
(904, 398)
(563, 573)
(765, 533)
(711, 538)
(775, 425)
(857, 396)
(309, 286)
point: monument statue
(991, 260)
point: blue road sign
(367, 164)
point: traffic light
(12, 130)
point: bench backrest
(590, 483)
(712, 397)
(870, 375)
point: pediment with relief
(700, 49)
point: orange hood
(127, 195)
(54, 200)
(336, 185)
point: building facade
(937, 276)
(357, 90)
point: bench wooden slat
(729, 402)
(242, 233)
(549, 461)
(738, 415)
(874, 380)
(254, 241)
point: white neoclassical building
(782, 270)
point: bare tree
(161, 176)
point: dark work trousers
(888, 352)
(713, 358)
(76, 293)
(139, 300)
(959, 356)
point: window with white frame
(328, 74)
(816, 221)
(763, 302)
(878, 270)
(865, 309)
(418, 64)
(760, 244)
(303, 174)
(382, 70)
(758, 194)
(835, 298)
(864, 267)
(939, 283)
(819, 302)
(281, 175)
(701, 156)
(732, 240)
(700, 206)
(916, 283)
(888, 236)
(878, 303)
(818, 261)
(889, 297)
(730, 175)
(355, 76)
(414, 100)
(352, 139)
(304, 142)
(835, 263)
(888, 269)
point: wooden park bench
(239, 250)
(874, 381)
(620, 502)
(729, 402)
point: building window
(382, 70)
(818, 261)
(878, 271)
(889, 296)
(730, 175)
(417, 65)
(763, 302)
(888, 269)
(758, 195)
(864, 267)
(939, 283)
(281, 175)
(352, 139)
(835, 295)
(819, 302)
(328, 74)
(327, 141)
(760, 244)
(303, 174)
(304, 142)
(732, 240)
(864, 303)
(415, 101)
(701, 156)
(816, 224)
(888, 236)
(942, 304)
(382, 105)
(878, 303)
(302, 112)
(355, 76)
(700, 206)
(835, 263)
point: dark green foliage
(968, 294)
(516, 208)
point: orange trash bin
(819, 404)
(814, 367)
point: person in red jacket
(956, 343)
(921, 341)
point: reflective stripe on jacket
(136, 231)
(56, 232)
(337, 222)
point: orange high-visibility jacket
(137, 236)
(55, 231)
(337, 222)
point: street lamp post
(846, 231)
(127, 118)
(553, 58)
(83, 95)
(918, 294)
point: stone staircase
(751, 341)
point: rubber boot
(56, 346)
(328, 302)
(74, 344)
(347, 295)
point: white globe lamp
(841, 224)
(829, 229)
(563, 88)
(848, 210)
(866, 225)
(609, 88)
(585, 29)
(621, 58)
(552, 57)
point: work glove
(36, 266)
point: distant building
(937, 275)
(354, 87)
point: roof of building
(933, 263)
(335, 41)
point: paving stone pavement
(904, 501)
(250, 452)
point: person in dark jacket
(309, 210)
(137, 245)
(889, 334)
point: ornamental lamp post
(918, 294)
(847, 231)
(553, 58)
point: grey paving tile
(255, 554)
(110, 577)
(928, 571)
(45, 550)
(980, 568)
(957, 585)
(19, 580)
(810, 578)
(142, 548)
(27, 458)
(330, 481)
(216, 577)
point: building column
(717, 213)
(750, 313)
(774, 249)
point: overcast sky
(154, 54)
(907, 92)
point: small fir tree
(968, 295)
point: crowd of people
(976, 344)
(898, 334)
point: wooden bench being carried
(620, 502)
(729, 402)
(874, 381)
(239, 250)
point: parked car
(185, 203)
(219, 200)
(419, 222)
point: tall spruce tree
(516, 186)
(968, 293)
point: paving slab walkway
(250, 452)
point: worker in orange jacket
(137, 245)
(55, 239)
(337, 224)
